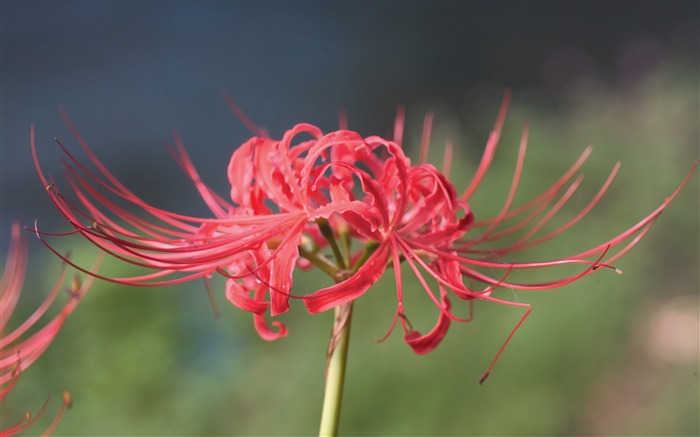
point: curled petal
(422, 344)
(265, 332)
(240, 297)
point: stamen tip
(67, 400)
(75, 284)
(483, 378)
(618, 271)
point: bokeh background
(609, 355)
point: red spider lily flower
(291, 200)
(18, 350)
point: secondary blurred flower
(20, 347)
(294, 201)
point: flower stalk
(340, 337)
(335, 370)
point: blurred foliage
(155, 361)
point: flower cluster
(297, 200)
(20, 347)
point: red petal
(281, 276)
(422, 344)
(238, 296)
(353, 287)
(264, 330)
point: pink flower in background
(21, 346)
(295, 203)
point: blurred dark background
(132, 71)
(611, 356)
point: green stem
(338, 347)
(309, 250)
(327, 232)
(335, 371)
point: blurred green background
(607, 355)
